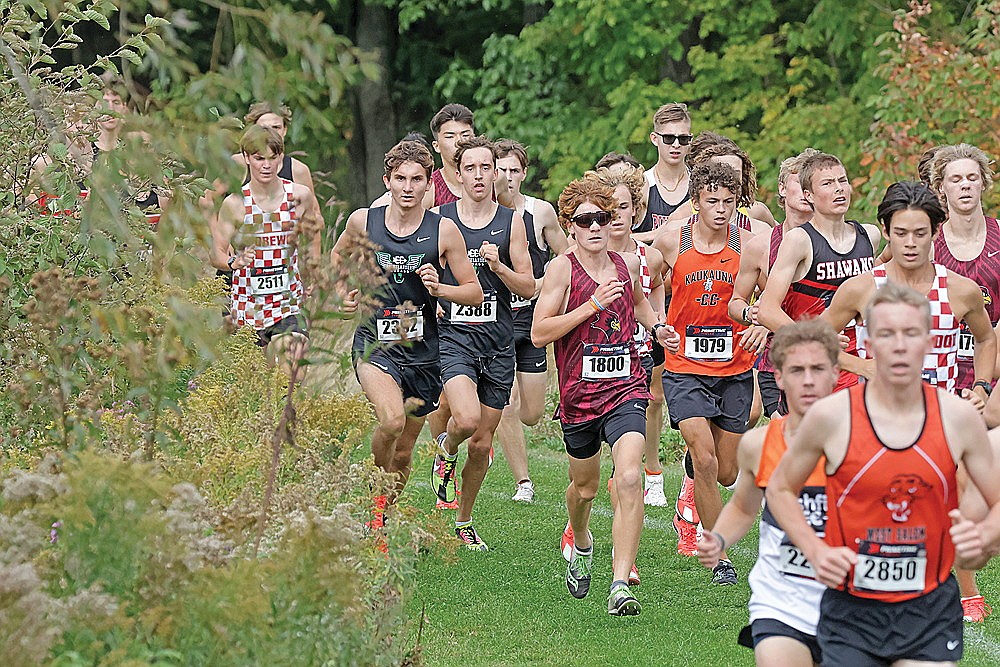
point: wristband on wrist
(656, 328)
(985, 385)
(597, 304)
(721, 539)
(746, 315)
(594, 306)
(229, 262)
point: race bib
(517, 302)
(793, 562)
(271, 280)
(891, 568)
(606, 361)
(485, 312)
(966, 344)
(394, 324)
(708, 343)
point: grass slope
(510, 606)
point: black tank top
(400, 257)
(524, 309)
(487, 329)
(657, 209)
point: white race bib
(708, 343)
(517, 301)
(606, 361)
(390, 324)
(793, 562)
(892, 568)
(486, 312)
(272, 280)
(966, 345)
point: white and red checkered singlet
(643, 343)
(270, 289)
(941, 363)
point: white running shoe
(653, 494)
(525, 492)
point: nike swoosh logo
(723, 261)
(539, 364)
(421, 240)
(952, 645)
(638, 406)
(496, 231)
(991, 254)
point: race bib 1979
(708, 343)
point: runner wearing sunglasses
(590, 301)
(708, 384)
(666, 187)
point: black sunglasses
(669, 139)
(585, 220)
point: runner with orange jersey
(708, 384)
(893, 528)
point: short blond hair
(790, 166)
(259, 109)
(584, 190)
(631, 177)
(673, 112)
(948, 154)
(813, 330)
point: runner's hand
(709, 549)
(429, 276)
(491, 255)
(670, 341)
(832, 565)
(844, 340)
(973, 397)
(244, 258)
(753, 339)
(351, 302)
(970, 552)
(608, 291)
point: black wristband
(229, 262)
(656, 327)
(985, 385)
(746, 317)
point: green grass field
(510, 606)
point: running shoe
(724, 574)
(443, 474)
(687, 537)
(686, 509)
(470, 537)
(621, 602)
(633, 576)
(653, 494)
(578, 573)
(525, 492)
(566, 543)
(975, 609)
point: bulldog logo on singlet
(903, 491)
(399, 265)
(607, 323)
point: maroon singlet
(601, 348)
(442, 193)
(985, 272)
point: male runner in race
(477, 351)
(755, 263)
(395, 350)
(266, 223)
(817, 257)
(666, 182)
(968, 245)
(784, 599)
(912, 216)
(450, 125)
(590, 301)
(277, 117)
(708, 384)
(527, 398)
(892, 446)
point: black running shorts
(493, 375)
(725, 401)
(772, 397)
(421, 382)
(763, 628)
(583, 440)
(860, 632)
(286, 325)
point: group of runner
(674, 287)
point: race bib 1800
(606, 361)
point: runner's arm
(553, 234)
(821, 425)
(223, 229)
(518, 276)
(792, 253)
(739, 514)
(455, 255)
(972, 309)
(747, 280)
(760, 211)
(549, 323)
(844, 308)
